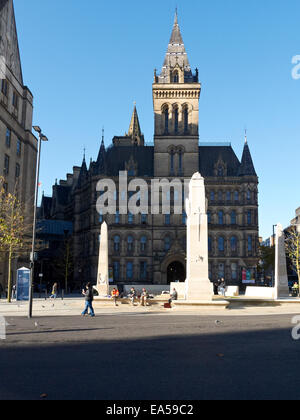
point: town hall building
(151, 248)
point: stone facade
(152, 248)
(18, 146)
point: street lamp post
(42, 137)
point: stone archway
(176, 272)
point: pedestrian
(132, 295)
(89, 297)
(115, 294)
(216, 287)
(14, 292)
(295, 290)
(174, 296)
(144, 297)
(223, 287)
(54, 291)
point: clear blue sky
(87, 62)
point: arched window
(221, 244)
(236, 196)
(175, 77)
(130, 218)
(249, 195)
(212, 196)
(172, 154)
(228, 196)
(186, 120)
(250, 244)
(233, 244)
(143, 243)
(220, 195)
(167, 243)
(249, 217)
(233, 218)
(209, 244)
(209, 217)
(166, 116)
(221, 218)
(117, 217)
(176, 120)
(130, 242)
(180, 167)
(117, 242)
(220, 171)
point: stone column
(102, 277)
(281, 278)
(198, 286)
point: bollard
(2, 328)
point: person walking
(115, 295)
(89, 297)
(223, 287)
(144, 297)
(132, 295)
(54, 291)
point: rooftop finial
(176, 15)
(102, 134)
(246, 139)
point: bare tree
(293, 249)
(14, 230)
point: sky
(88, 62)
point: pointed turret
(101, 160)
(176, 67)
(135, 129)
(83, 173)
(247, 166)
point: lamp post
(42, 137)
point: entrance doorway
(176, 272)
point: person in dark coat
(89, 297)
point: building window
(184, 218)
(212, 196)
(249, 217)
(209, 244)
(221, 218)
(236, 196)
(143, 244)
(234, 271)
(129, 271)
(101, 218)
(166, 115)
(144, 219)
(4, 87)
(117, 217)
(228, 196)
(15, 100)
(186, 120)
(167, 243)
(8, 137)
(143, 270)
(172, 163)
(233, 218)
(233, 244)
(167, 219)
(220, 196)
(6, 165)
(117, 242)
(116, 271)
(250, 244)
(175, 77)
(249, 195)
(180, 162)
(176, 120)
(209, 217)
(221, 270)
(130, 218)
(18, 170)
(220, 171)
(130, 242)
(221, 244)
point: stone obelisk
(102, 278)
(198, 285)
(281, 278)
